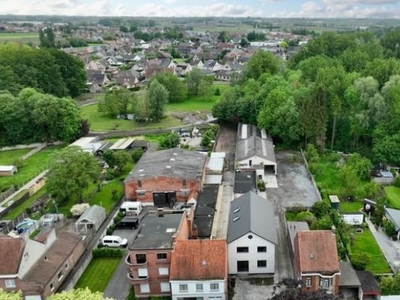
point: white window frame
(144, 288)
(163, 271)
(183, 288)
(214, 289)
(143, 272)
(308, 282)
(325, 283)
(60, 277)
(165, 284)
(10, 283)
(52, 286)
(198, 289)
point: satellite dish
(367, 206)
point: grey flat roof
(252, 213)
(348, 276)
(176, 163)
(215, 164)
(84, 140)
(213, 179)
(245, 181)
(394, 215)
(205, 210)
(122, 144)
(293, 228)
(252, 141)
(156, 232)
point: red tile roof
(317, 251)
(11, 250)
(199, 260)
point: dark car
(127, 223)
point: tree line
(49, 71)
(341, 91)
(35, 117)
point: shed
(334, 201)
(123, 144)
(8, 170)
(215, 166)
(369, 285)
(91, 219)
(394, 216)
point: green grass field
(327, 176)
(393, 195)
(365, 243)
(33, 166)
(9, 156)
(98, 273)
(23, 206)
(19, 37)
(350, 207)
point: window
(261, 249)
(242, 249)
(183, 288)
(145, 288)
(242, 266)
(60, 275)
(66, 266)
(260, 177)
(51, 286)
(163, 271)
(308, 281)
(164, 287)
(140, 192)
(142, 273)
(139, 183)
(199, 287)
(141, 258)
(161, 255)
(261, 263)
(214, 287)
(184, 183)
(324, 282)
(10, 283)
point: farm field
(21, 37)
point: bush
(78, 209)
(261, 185)
(311, 154)
(397, 181)
(217, 92)
(359, 261)
(107, 252)
(110, 230)
(136, 155)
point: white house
(199, 270)
(252, 236)
(254, 150)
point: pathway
(390, 248)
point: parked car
(114, 241)
(131, 208)
(127, 223)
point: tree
(71, 171)
(118, 102)
(204, 89)
(359, 261)
(177, 90)
(137, 154)
(171, 140)
(193, 80)
(10, 295)
(78, 294)
(222, 36)
(244, 42)
(361, 165)
(122, 158)
(47, 38)
(260, 63)
(157, 97)
(291, 289)
(109, 158)
(320, 209)
(390, 285)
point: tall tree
(177, 90)
(78, 294)
(193, 80)
(71, 171)
(262, 62)
(157, 97)
(118, 102)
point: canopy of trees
(35, 117)
(47, 70)
(341, 91)
(65, 295)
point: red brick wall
(159, 184)
(315, 284)
(28, 288)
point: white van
(114, 241)
(131, 208)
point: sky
(199, 8)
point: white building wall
(252, 256)
(191, 292)
(255, 161)
(353, 219)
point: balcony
(135, 264)
(137, 280)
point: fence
(4, 195)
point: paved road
(390, 248)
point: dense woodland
(340, 92)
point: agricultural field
(32, 167)
(19, 37)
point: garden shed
(91, 219)
(394, 216)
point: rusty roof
(317, 251)
(199, 260)
(11, 250)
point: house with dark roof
(349, 284)
(252, 236)
(165, 177)
(369, 286)
(199, 270)
(316, 260)
(149, 256)
(127, 78)
(255, 150)
(38, 266)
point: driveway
(295, 188)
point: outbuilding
(91, 219)
(8, 170)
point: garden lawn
(393, 195)
(9, 156)
(365, 243)
(350, 207)
(98, 273)
(104, 197)
(102, 122)
(15, 212)
(34, 165)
